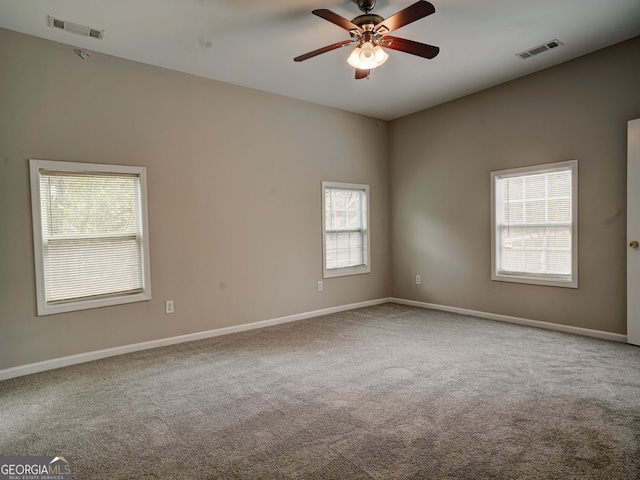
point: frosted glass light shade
(367, 56)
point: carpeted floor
(386, 392)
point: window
(535, 224)
(90, 235)
(345, 229)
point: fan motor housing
(367, 19)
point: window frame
(35, 166)
(536, 279)
(354, 270)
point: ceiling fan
(371, 33)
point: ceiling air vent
(539, 49)
(75, 28)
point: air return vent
(539, 49)
(75, 28)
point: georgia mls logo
(36, 468)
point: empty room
(340, 239)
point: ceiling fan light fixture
(381, 55)
(369, 32)
(367, 57)
(354, 58)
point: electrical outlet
(418, 280)
(320, 285)
(168, 306)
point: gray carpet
(386, 392)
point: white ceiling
(253, 42)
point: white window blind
(346, 241)
(535, 223)
(92, 237)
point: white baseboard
(111, 352)
(616, 337)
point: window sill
(347, 271)
(533, 280)
(89, 304)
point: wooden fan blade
(328, 48)
(337, 19)
(409, 46)
(362, 73)
(404, 17)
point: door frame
(633, 232)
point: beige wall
(440, 206)
(234, 192)
(234, 181)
